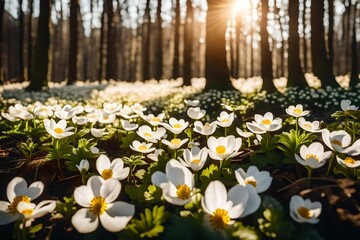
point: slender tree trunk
(2, 7)
(21, 76)
(354, 76)
(295, 74)
(251, 40)
(39, 74)
(29, 38)
(159, 48)
(305, 59)
(146, 43)
(102, 39)
(266, 60)
(176, 62)
(320, 61)
(216, 69)
(331, 33)
(111, 59)
(188, 43)
(237, 46)
(73, 49)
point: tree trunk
(39, 74)
(176, 62)
(331, 33)
(146, 43)
(305, 59)
(216, 69)
(21, 76)
(73, 49)
(102, 39)
(29, 39)
(237, 46)
(266, 60)
(111, 59)
(2, 7)
(251, 40)
(354, 76)
(159, 48)
(188, 43)
(320, 61)
(296, 76)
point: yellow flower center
(220, 149)
(28, 211)
(107, 174)
(310, 155)
(349, 160)
(196, 161)
(175, 141)
(336, 142)
(225, 120)
(142, 148)
(298, 111)
(304, 212)
(251, 181)
(183, 191)
(220, 219)
(147, 134)
(59, 130)
(177, 125)
(98, 205)
(266, 122)
(105, 117)
(12, 207)
(307, 126)
(155, 119)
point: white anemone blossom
(263, 124)
(20, 206)
(309, 126)
(304, 210)
(97, 199)
(223, 147)
(128, 126)
(154, 120)
(348, 162)
(340, 141)
(177, 183)
(225, 119)
(194, 158)
(312, 156)
(221, 206)
(191, 103)
(346, 105)
(260, 180)
(111, 169)
(141, 147)
(98, 132)
(176, 126)
(175, 143)
(196, 113)
(296, 111)
(57, 129)
(149, 135)
(204, 129)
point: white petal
(6, 218)
(35, 189)
(83, 196)
(239, 196)
(44, 207)
(117, 216)
(157, 178)
(253, 203)
(84, 221)
(215, 195)
(16, 187)
(94, 183)
(103, 162)
(110, 190)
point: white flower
(98, 132)
(194, 158)
(149, 135)
(93, 116)
(175, 143)
(263, 124)
(18, 191)
(57, 130)
(243, 134)
(222, 206)
(79, 120)
(177, 183)
(223, 147)
(128, 126)
(313, 156)
(196, 113)
(33, 211)
(126, 112)
(111, 107)
(340, 141)
(114, 169)
(43, 111)
(19, 111)
(225, 119)
(206, 129)
(138, 108)
(192, 103)
(67, 112)
(309, 126)
(83, 167)
(304, 210)
(154, 121)
(97, 197)
(346, 105)
(296, 111)
(9, 117)
(94, 150)
(154, 156)
(176, 126)
(348, 162)
(141, 147)
(260, 180)
(106, 117)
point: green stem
(26, 125)
(297, 128)
(331, 161)
(83, 180)
(57, 150)
(309, 174)
(225, 128)
(23, 230)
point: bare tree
(159, 48)
(295, 73)
(176, 62)
(216, 70)
(29, 38)
(21, 76)
(111, 59)
(266, 60)
(2, 7)
(102, 39)
(39, 73)
(354, 76)
(331, 33)
(188, 43)
(146, 43)
(73, 49)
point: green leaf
(209, 174)
(259, 159)
(239, 231)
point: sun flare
(241, 6)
